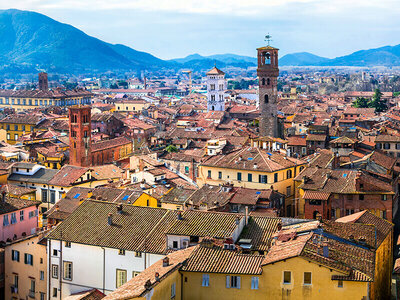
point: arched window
(266, 100)
(268, 81)
(263, 81)
(212, 107)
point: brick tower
(79, 136)
(43, 82)
(268, 72)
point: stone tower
(268, 72)
(43, 82)
(216, 86)
(80, 136)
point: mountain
(301, 59)
(33, 41)
(221, 60)
(387, 56)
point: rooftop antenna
(268, 39)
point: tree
(171, 148)
(361, 102)
(377, 102)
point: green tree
(377, 102)
(361, 102)
(171, 148)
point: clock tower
(268, 72)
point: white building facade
(216, 87)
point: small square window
(307, 277)
(340, 283)
(287, 277)
(121, 252)
(68, 244)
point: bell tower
(268, 72)
(80, 136)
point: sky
(176, 28)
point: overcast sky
(176, 28)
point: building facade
(216, 86)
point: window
(209, 174)
(28, 258)
(287, 277)
(23, 127)
(361, 197)
(233, 282)
(15, 255)
(186, 169)
(121, 277)
(16, 127)
(15, 136)
(13, 218)
(54, 271)
(262, 178)
(52, 197)
(121, 252)
(384, 197)
(21, 215)
(249, 177)
(340, 283)
(44, 195)
(276, 177)
(289, 174)
(68, 244)
(135, 273)
(307, 277)
(173, 290)
(219, 175)
(212, 87)
(175, 244)
(206, 280)
(16, 281)
(54, 292)
(212, 97)
(5, 220)
(67, 270)
(33, 286)
(55, 252)
(138, 254)
(41, 275)
(254, 283)
(42, 296)
(288, 191)
(239, 176)
(386, 146)
(266, 99)
(33, 214)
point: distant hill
(221, 60)
(31, 40)
(301, 59)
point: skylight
(77, 196)
(125, 197)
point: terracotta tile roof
(16, 190)
(210, 196)
(136, 286)
(23, 118)
(67, 175)
(296, 141)
(93, 294)
(136, 229)
(387, 138)
(316, 137)
(316, 195)
(343, 140)
(106, 172)
(247, 157)
(215, 71)
(251, 196)
(215, 259)
(11, 204)
(260, 230)
(176, 196)
(201, 224)
(383, 227)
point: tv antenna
(268, 38)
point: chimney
(179, 216)
(255, 166)
(119, 209)
(165, 261)
(157, 276)
(247, 215)
(237, 221)
(3, 196)
(279, 226)
(109, 219)
(147, 285)
(57, 207)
